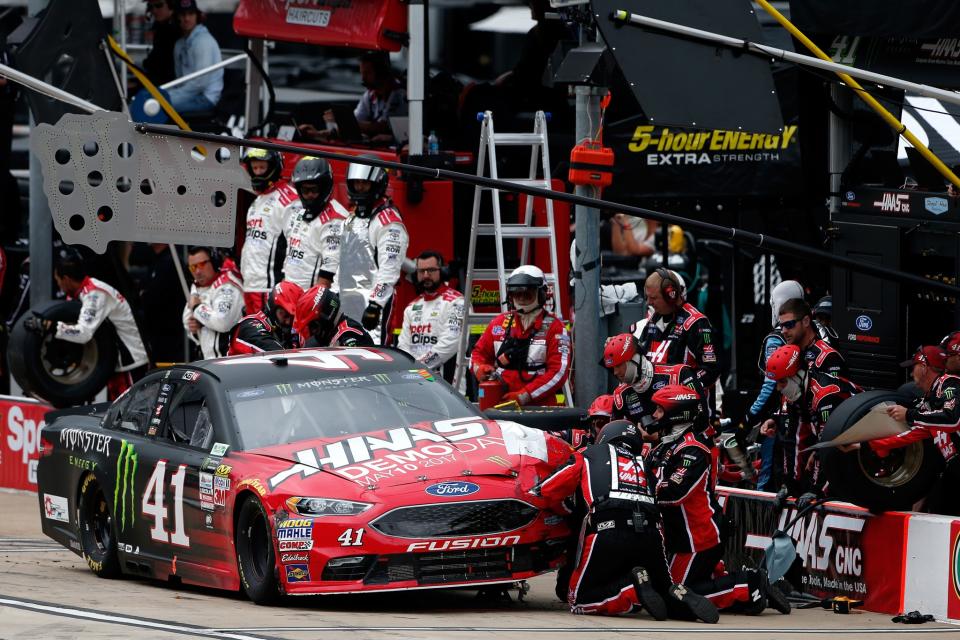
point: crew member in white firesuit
(677, 333)
(816, 394)
(315, 226)
(372, 248)
(216, 301)
(261, 259)
(269, 329)
(99, 302)
(685, 467)
(528, 348)
(620, 564)
(934, 415)
(433, 321)
(321, 322)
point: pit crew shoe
(758, 587)
(700, 607)
(776, 599)
(647, 595)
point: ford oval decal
(452, 489)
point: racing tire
(256, 562)
(95, 528)
(879, 484)
(62, 373)
(543, 418)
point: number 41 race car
(300, 472)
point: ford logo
(452, 489)
(864, 323)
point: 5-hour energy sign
(665, 146)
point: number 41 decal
(158, 510)
(347, 538)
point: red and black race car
(301, 472)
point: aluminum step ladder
(524, 231)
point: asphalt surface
(47, 592)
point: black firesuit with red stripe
(684, 338)
(686, 473)
(620, 529)
(823, 394)
(635, 406)
(255, 333)
(348, 333)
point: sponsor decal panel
(452, 489)
(124, 491)
(298, 573)
(55, 508)
(219, 449)
(293, 557)
(86, 441)
(936, 206)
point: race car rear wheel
(62, 373)
(880, 484)
(255, 558)
(98, 539)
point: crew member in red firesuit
(621, 562)
(935, 415)
(321, 322)
(816, 394)
(598, 415)
(685, 467)
(640, 379)
(270, 328)
(528, 348)
(677, 333)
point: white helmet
(786, 290)
(528, 276)
(639, 374)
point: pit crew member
(621, 562)
(433, 321)
(316, 224)
(270, 328)
(935, 415)
(527, 347)
(261, 260)
(216, 301)
(321, 322)
(372, 248)
(685, 467)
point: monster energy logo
(382, 378)
(126, 474)
(285, 389)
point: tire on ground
(256, 561)
(62, 373)
(911, 389)
(850, 474)
(95, 528)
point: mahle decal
(126, 475)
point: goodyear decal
(126, 475)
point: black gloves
(806, 500)
(35, 324)
(371, 316)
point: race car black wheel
(544, 418)
(880, 484)
(255, 558)
(98, 540)
(62, 373)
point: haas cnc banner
(21, 420)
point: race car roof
(303, 364)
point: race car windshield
(330, 407)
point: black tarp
(879, 18)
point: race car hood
(441, 450)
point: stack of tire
(62, 373)
(908, 473)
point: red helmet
(318, 311)
(285, 294)
(619, 349)
(784, 362)
(680, 405)
(601, 406)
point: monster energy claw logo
(126, 475)
(285, 389)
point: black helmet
(313, 170)
(621, 432)
(680, 404)
(824, 307)
(274, 167)
(364, 201)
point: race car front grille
(442, 567)
(456, 519)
